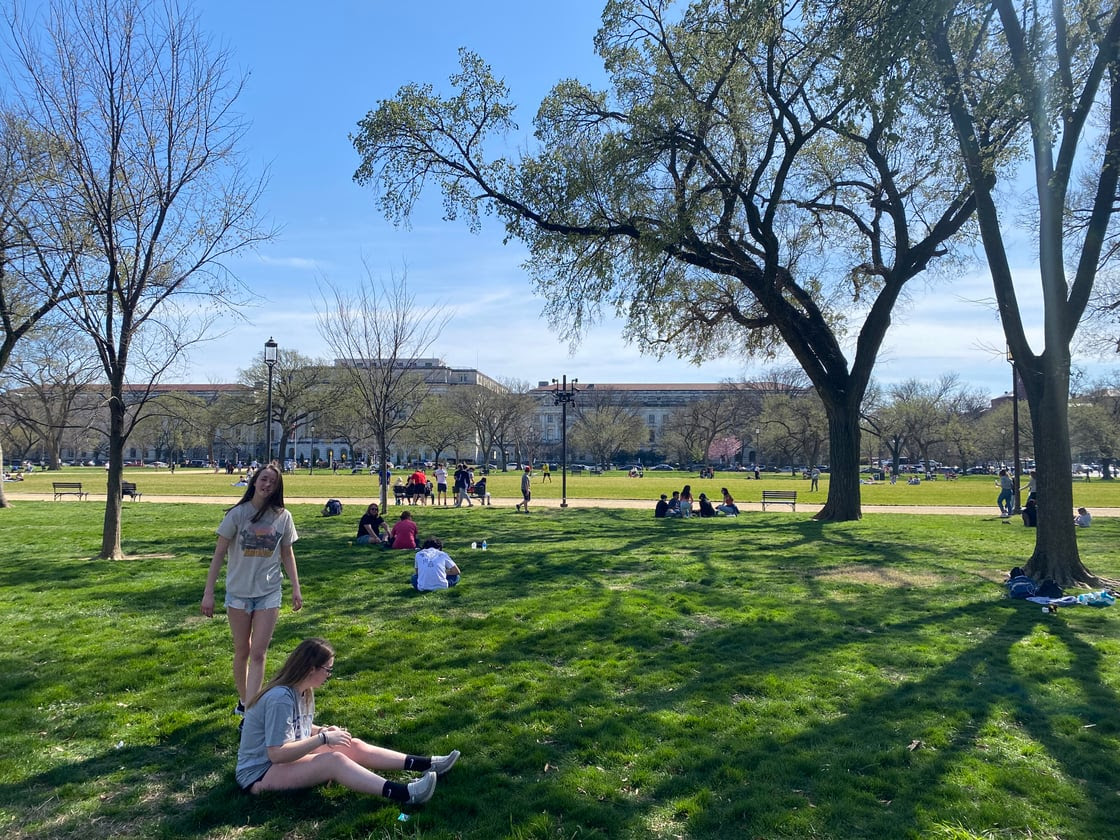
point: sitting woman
(403, 534)
(282, 748)
(706, 509)
(371, 528)
(434, 568)
(728, 507)
(1030, 514)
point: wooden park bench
(779, 497)
(596, 470)
(63, 488)
(575, 470)
(128, 488)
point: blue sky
(314, 74)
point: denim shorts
(251, 605)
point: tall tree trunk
(382, 458)
(1055, 548)
(111, 532)
(3, 498)
(843, 503)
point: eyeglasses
(328, 668)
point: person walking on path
(526, 489)
(462, 483)
(282, 748)
(1006, 496)
(256, 535)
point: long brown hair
(276, 500)
(308, 655)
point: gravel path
(633, 504)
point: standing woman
(257, 535)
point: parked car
(662, 467)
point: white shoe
(442, 763)
(422, 789)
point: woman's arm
(288, 559)
(294, 750)
(212, 576)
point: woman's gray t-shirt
(277, 718)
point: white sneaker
(422, 789)
(442, 763)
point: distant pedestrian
(814, 479)
(545, 474)
(1006, 496)
(441, 484)
(526, 489)
(462, 485)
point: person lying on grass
(283, 749)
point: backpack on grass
(1019, 585)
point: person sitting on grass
(1030, 514)
(675, 504)
(434, 568)
(282, 748)
(706, 509)
(1083, 518)
(661, 509)
(371, 528)
(403, 534)
(728, 507)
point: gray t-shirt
(253, 567)
(277, 718)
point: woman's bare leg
(252, 634)
(319, 768)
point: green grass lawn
(605, 675)
(969, 490)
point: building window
(653, 419)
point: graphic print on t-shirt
(259, 540)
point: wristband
(323, 735)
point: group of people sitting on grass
(682, 505)
(434, 568)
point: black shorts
(249, 787)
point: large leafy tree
(140, 106)
(726, 193)
(1051, 68)
(39, 249)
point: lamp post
(271, 349)
(561, 396)
(1015, 427)
(757, 452)
(311, 459)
